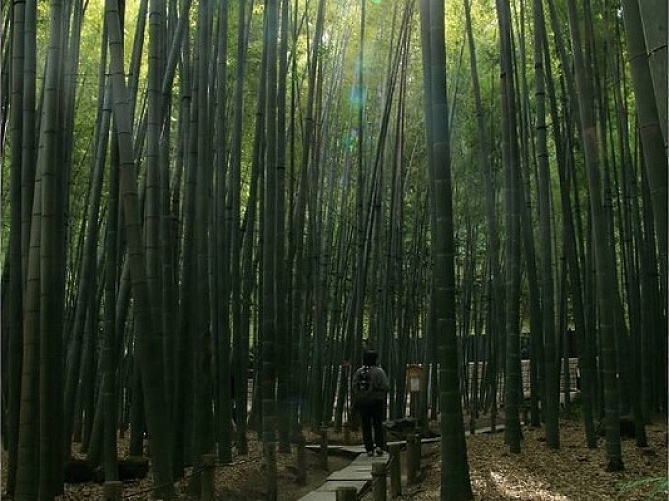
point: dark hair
(369, 357)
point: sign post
(415, 385)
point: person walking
(370, 388)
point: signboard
(415, 378)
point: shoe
(370, 453)
(379, 451)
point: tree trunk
(647, 107)
(607, 292)
(16, 271)
(455, 483)
(512, 198)
(52, 261)
(654, 20)
(551, 401)
(269, 255)
(148, 340)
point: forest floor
(573, 473)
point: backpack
(363, 386)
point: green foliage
(653, 487)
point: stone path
(357, 474)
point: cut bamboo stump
(207, 485)
(324, 447)
(379, 481)
(417, 452)
(112, 490)
(271, 474)
(301, 460)
(395, 471)
(413, 459)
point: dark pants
(372, 415)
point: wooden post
(301, 460)
(395, 471)
(112, 490)
(412, 464)
(346, 494)
(379, 480)
(207, 484)
(526, 413)
(417, 452)
(324, 447)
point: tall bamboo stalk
(269, 255)
(16, 271)
(512, 430)
(607, 292)
(52, 260)
(455, 483)
(148, 342)
(548, 290)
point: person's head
(369, 357)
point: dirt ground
(574, 473)
(243, 480)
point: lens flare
(356, 97)
(350, 140)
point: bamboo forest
(224, 221)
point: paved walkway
(357, 474)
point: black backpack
(363, 385)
